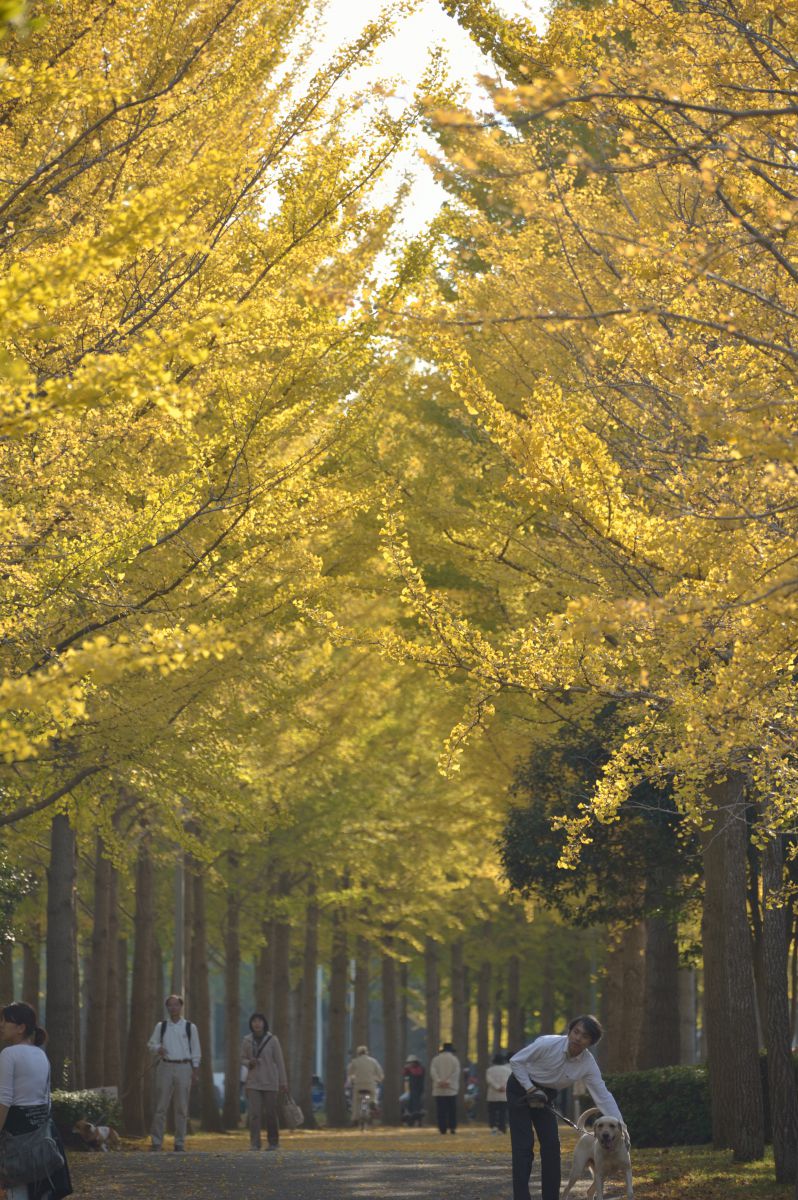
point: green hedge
(69, 1107)
(668, 1106)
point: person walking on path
(25, 1095)
(413, 1076)
(496, 1078)
(445, 1074)
(262, 1055)
(365, 1075)
(176, 1045)
(539, 1072)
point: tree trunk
(280, 1017)
(307, 1026)
(687, 1016)
(624, 987)
(730, 1009)
(7, 971)
(459, 1017)
(31, 973)
(661, 1000)
(61, 964)
(142, 999)
(483, 1025)
(515, 1018)
(124, 1006)
(231, 1111)
(264, 975)
(294, 1040)
(404, 985)
(432, 1006)
(98, 970)
(776, 1016)
(109, 1030)
(361, 1030)
(188, 932)
(201, 1002)
(497, 1037)
(335, 1063)
(390, 1021)
(547, 1008)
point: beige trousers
(262, 1107)
(171, 1079)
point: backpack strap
(188, 1035)
(163, 1030)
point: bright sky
(403, 59)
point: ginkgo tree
(613, 312)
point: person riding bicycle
(365, 1075)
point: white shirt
(175, 1042)
(546, 1062)
(24, 1075)
(496, 1076)
(445, 1074)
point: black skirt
(24, 1119)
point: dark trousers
(525, 1122)
(497, 1114)
(446, 1107)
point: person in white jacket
(496, 1078)
(445, 1074)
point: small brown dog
(97, 1137)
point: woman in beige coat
(262, 1055)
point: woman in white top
(496, 1078)
(25, 1093)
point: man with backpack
(175, 1042)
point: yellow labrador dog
(605, 1150)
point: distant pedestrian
(496, 1078)
(176, 1044)
(262, 1056)
(413, 1075)
(445, 1074)
(364, 1075)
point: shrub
(69, 1107)
(668, 1106)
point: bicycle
(364, 1111)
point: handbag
(291, 1114)
(30, 1157)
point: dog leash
(562, 1117)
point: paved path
(292, 1175)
